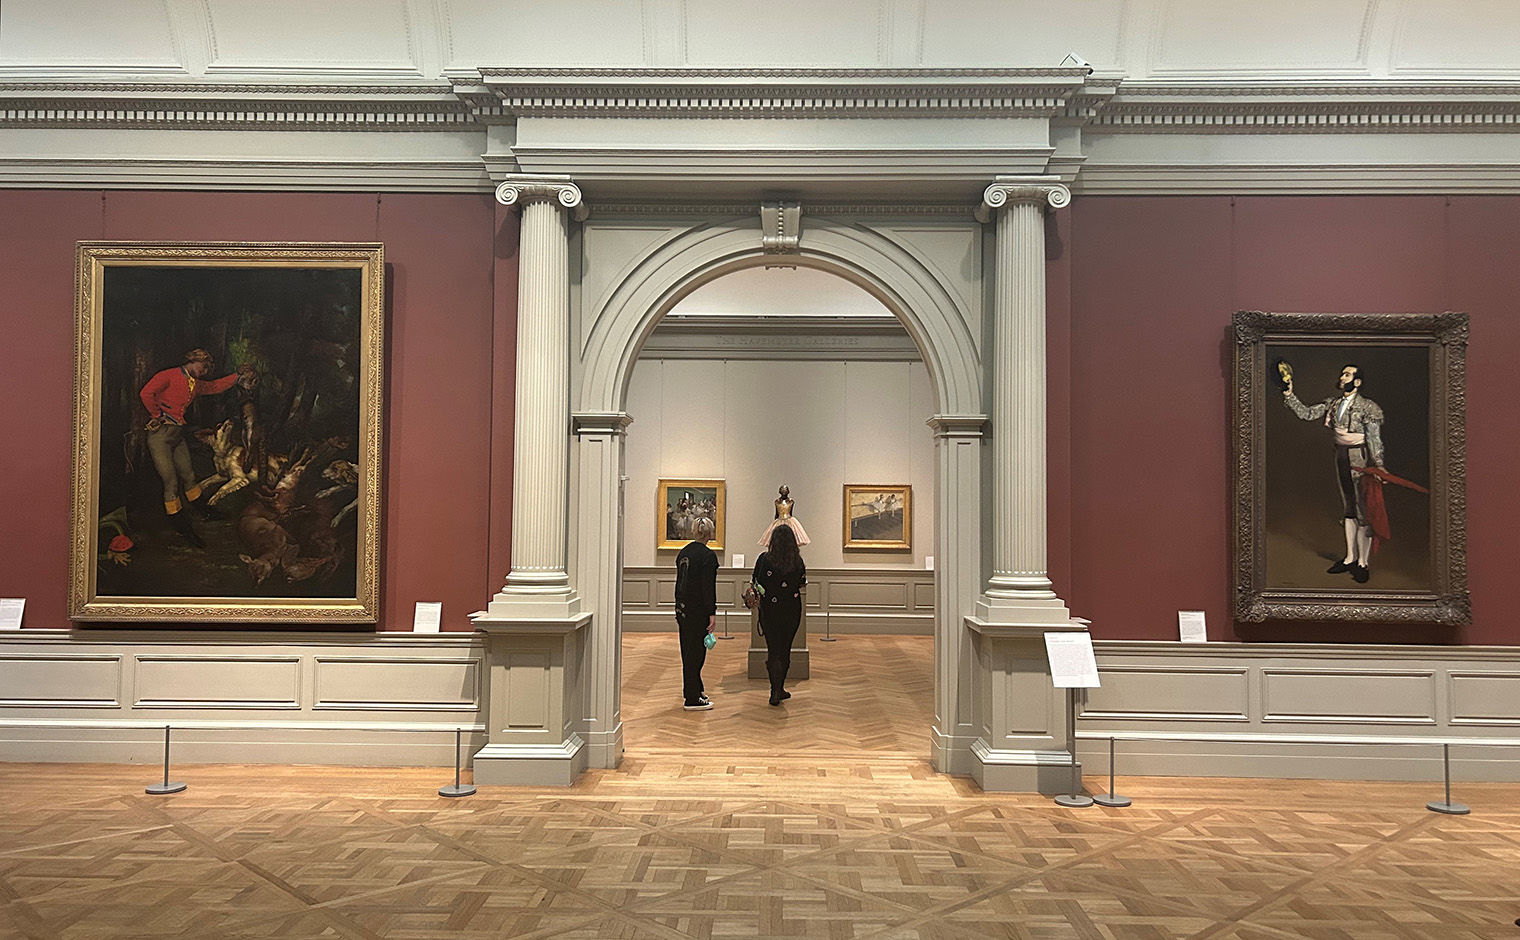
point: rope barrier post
(457, 789)
(166, 786)
(1448, 807)
(826, 638)
(1111, 798)
(725, 635)
(1076, 798)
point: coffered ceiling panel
(996, 33)
(534, 32)
(124, 35)
(300, 36)
(1230, 38)
(1472, 37)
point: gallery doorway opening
(761, 378)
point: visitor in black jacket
(779, 577)
(696, 611)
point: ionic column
(1019, 590)
(539, 583)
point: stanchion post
(1111, 798)
(457, 789)
(1076, 797)
(1448, 807)
(827, 637)
(166, 786)
(725, 635)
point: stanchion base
(1111, 799)
(158, 788)
(1074, 799)
(828, 639)
(457, 789)
(1450, 809)
(728, 638)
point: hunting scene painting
(1351, 487)
(227, 431)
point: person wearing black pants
(778, 578)
(696, 611)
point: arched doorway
(675, 257)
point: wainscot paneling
(1299, 710)
(59, 680)
(841, 600)
(287, 698)
(217, 681)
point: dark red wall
(438, 417)
(1154, 283)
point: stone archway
(554, 628)
(941, 325)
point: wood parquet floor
(819, 819)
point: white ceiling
(425, 39)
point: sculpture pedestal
(801, 669)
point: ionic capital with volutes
(1022, 190)
(521, 189)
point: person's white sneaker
(702, 705)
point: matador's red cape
(1372, 481)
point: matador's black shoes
(1359, 573)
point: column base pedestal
(1035, 771)
(531, 765)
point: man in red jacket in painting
(166, 396)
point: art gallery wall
(1154, 281)
(438, 424)
(811, 424)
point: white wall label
(928, 562)
(10, 612)
(1072, 664)
(738, 560)
(429, 615)
(1191, 626)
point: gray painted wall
(814, 425)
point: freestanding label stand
(1072, 666)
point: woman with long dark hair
(778, 579)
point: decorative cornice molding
(499, 94)
(874, 339)
(521, 189)
(221, 106)
(599, 423)
(1022, 190)
(963, 426)
(1310, 107)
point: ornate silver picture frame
(1350, 467)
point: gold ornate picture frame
(679, 503)
(878, 517)
(1305, 464)
(227, 432)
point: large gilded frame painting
(1350, 492)
(227, 426)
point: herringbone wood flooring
(820, 818)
